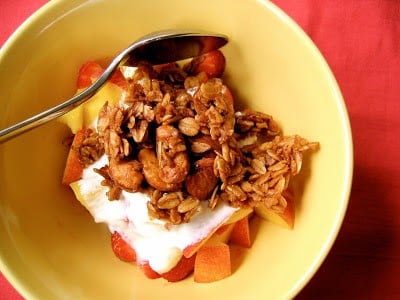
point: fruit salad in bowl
(163, 157)
(55, 247)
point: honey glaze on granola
(174, 128)
(176, 155)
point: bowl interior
(51, 248)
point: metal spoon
(156, 48)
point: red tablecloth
(361, 42)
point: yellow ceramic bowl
(51, 248)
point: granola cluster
(178, 137)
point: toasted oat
(188, 204)
(189, 126)
(91, 148)
(184, 131)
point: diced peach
(148, 271)
(237, 215)
(184, 268)
(112, 91)
(240, 234)
(213, 262)
(74, 167)
(224, 229)
(190, 250)
(283, 218)
(222, 235)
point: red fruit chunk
(240, 234)
(223, 229)
(148, 271)
(118, 79)
(122, 249)
(184, 267)
(90, 71)
(212, 63)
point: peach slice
(222, 235)
(73, 166)
(112, 91)
(237, 215)
(224, 231)
(240, 234)
(213, 262)
(283, 218)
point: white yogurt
(159, 245)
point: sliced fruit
(212, 263)
(88, 73)
(240, 234)
(112, 91)
(283, 218)
(222, 235)
(239, 214)
(122, 249)
(148, 271)
(74, 167)
(91, 71)
(91, 198)
(224, 229)
(236, 215)
(183, 269)
(212, 63)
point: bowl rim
(348, 146)
(330, 239)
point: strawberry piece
(148, 271)
(122, 249)
(90, 71)
(223, 229)
(118, 79)
(212, 63)
(184, 267)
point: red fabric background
(361, 42)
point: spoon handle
(52, 113)
(156, 48)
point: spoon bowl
(155, 48)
